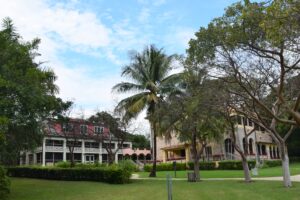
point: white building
(89, 140)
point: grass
(265, 172)
(34, 189)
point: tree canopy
(27, 93)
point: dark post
(174, 168)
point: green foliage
(4, 184)
(234, 165)
(272, 163)
(63, 164)
(295, 159)
(203, 165)
(139, 141)
(27, 94)
(166, 167)
(114, 175)
(223, 165)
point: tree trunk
(196, 169)
(153, 171)
(246, 170)
(196, 158)
(285, 165)
(111, 158)
(72, 159)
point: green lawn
(33, 189)
(266, 172)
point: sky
(86, 42)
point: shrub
(272, 163)
(114, 175)
(203, 165)
(63, 164)
(234, 165)
(165, 167)
(294, 159)
(4, 184)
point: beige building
(260, 146)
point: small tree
(192, 115)
(117, 132)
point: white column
(83, 152)
(26, 158)
(100, 152)
(65, 150)
(44, 153)
(34, 158)
(268, 151)
(271, 152)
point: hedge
(223, 165)
(234, 165)
(165, 167)
(108, 175)
(4, 184)
(272, 163)
(294, 159)
(203, 165)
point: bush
(203, 165)
(128, 165)
(4, 184)
(272, 163)
(113, 175)
(165, 167)
(63, 164)
(294, 159)
(234, 165)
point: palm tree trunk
(153, 171)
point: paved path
(295, 178)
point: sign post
(174, 167)
(169, 187)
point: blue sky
(86, 42)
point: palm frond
(127, 87)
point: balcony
(54, 149)
(92, 150)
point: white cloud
(67, 27)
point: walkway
(295, 178)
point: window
(54, 143)
(91, 145)
(250, 122)
(109, 145)
(73, 144)
(83, 129)
(67, 127)
(98, 129)
(239, 119)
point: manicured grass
(265, 172)
(33, 189)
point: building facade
(88, 142)
(260, 146)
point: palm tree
(149, 71)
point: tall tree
(27, 94)
(149, 71)
(257, 46)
